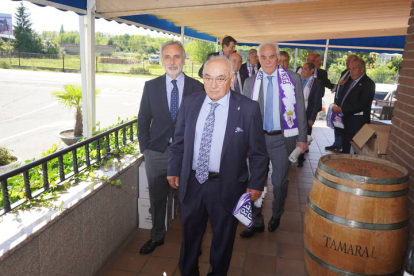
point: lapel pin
(238, 108)
(360, 84)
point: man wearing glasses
(215, 131)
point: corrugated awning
(256, 21)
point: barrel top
(363, 169)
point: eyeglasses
(220, 81)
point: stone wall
(82, 238)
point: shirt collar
(274, 74)
(179, 79)
(359, 78)
(223, 101)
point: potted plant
(72, 98)
(7, 160)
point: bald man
(236, 60)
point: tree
(26, 39)
(198, 50)
(62, 30)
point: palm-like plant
(72, 97)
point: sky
(50, 19)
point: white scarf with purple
(287, 95)
(307, 90)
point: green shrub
(139, 71)
(6, 157)
(5, 65)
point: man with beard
(156, 124)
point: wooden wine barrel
(356, 220)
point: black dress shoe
(273, 224)
(149, 246)
(249, 232)
(333, 148)
(300, 164)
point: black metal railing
(127, 129)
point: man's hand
(310, 123)
(174, 181)
(254, 194)
(344, 81)
(337, 109)
(303, 146)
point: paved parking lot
(29, 116)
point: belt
(273, 132)
(211, 175)
(169, 144)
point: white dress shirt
(220, 123)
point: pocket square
(239, 130)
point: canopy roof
(256, 21)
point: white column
(87, 50)
(182, 35)
(217, 47)
(325, 56)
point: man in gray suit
(284, 126)
(156, 124)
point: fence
(82, 155)
(71, 63)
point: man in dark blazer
(208, 164)
(320, 74)
(252, 66)
(228, 45)
(355, 102)
(156, 123)
(312, 92)
(338, 89)
(279, 142)
(240, 77)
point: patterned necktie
(253, 71)
(268, 116)
(174, 100)
(236, 84)
(205, 146)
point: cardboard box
(372, 140)
(143, 182)
(144, 215)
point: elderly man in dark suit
(252, 66)
(214, 134)
(338, 89)
(156, 123)
(355, 102)
(228, 45)
(240, 77)
(279, 93)
(312, 93)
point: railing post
(96, 64)
(63, 61)
(19, 58)
(6, 200)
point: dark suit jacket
(315, 100)
(323, 77)
(155, 127)
(200, 71)
(243, 70)
(358, 100)
(244, 134)
(243, 77)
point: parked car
(154, 59)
